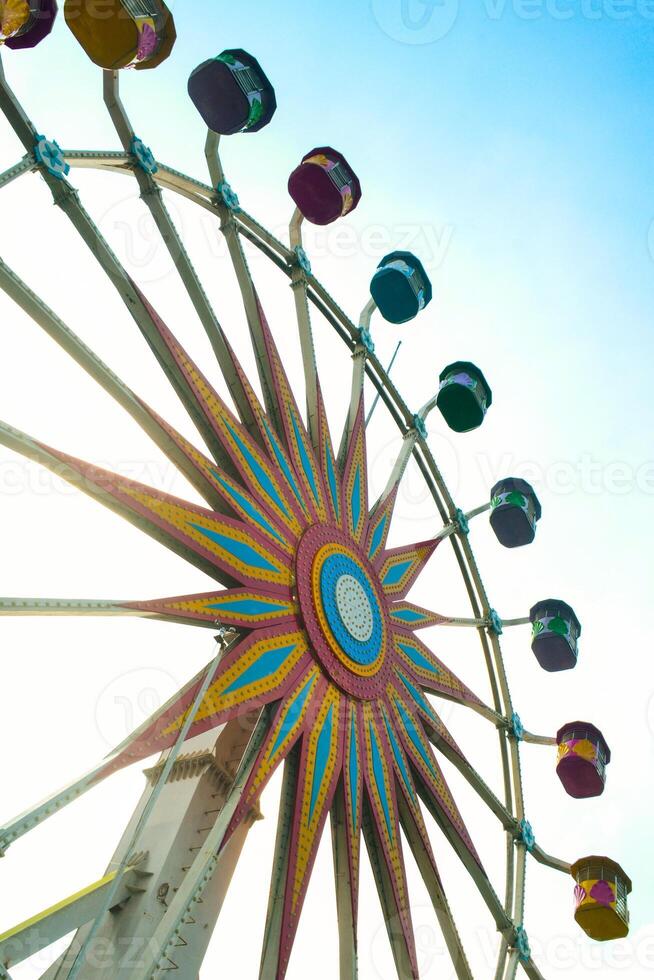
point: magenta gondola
(324, 186)
(582, 759)
(26, 23)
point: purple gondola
(582, 759)
(38, 23)
(324, 186)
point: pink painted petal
(262, 668)
(603, 893)
(241, 608)
(147, 43)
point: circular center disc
(354, 608)
(344, 611)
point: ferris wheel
(319, 667)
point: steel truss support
(185, 829)
(49, 926)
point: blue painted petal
(418, 659)
(407, 615)
(378, 771)
(265, 665)
(356, 500)
(248, 507)
(260, 474)
(248, 607)
(410, 727)
(398, 759)
(306, 462)
(377, 537)
(322, 755)
(282, 462)
(293, 713)
(333, 488)
(396, 572)
(241, 551)
(354, 770)
(418, 696)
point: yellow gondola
(601, 896)
(122, 33)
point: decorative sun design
(326, 640)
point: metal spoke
(347, 927)
(229, 228)
(272, 934)
(151, 195)
(437, 894)
(42, 315)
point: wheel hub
(343, 610)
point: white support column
(183, 819)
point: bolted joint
(230, 197)
(516, 728)
(462, 521)
(521, 943)
(420, 426)
(366, 340)
(225, 634)
(527, 835)
(143, 156)
(48, 154)
(495, 623)
(302, 260)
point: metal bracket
(462, 521)
(229, 197)
(522, 944)
(516, 728)
(143, 156)
(302, 260)
(495, 622)
(365, 338)
(49, 155)
(527, 835)
(420, 426)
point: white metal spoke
(437, 894)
